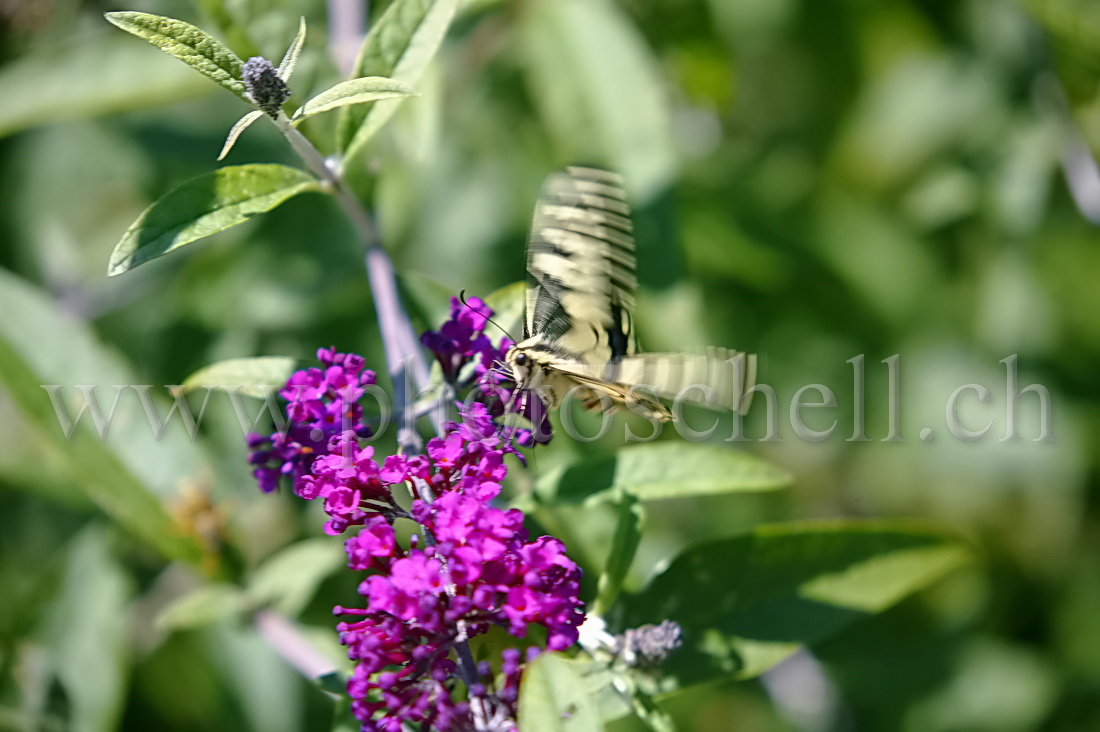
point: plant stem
(403, 354)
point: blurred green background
(812, 181)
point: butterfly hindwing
(715, 377)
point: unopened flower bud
(264, 85)
(650, 645)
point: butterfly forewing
(580, 268)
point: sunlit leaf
(206, 205)
(399, 46)
(89, 632)
(189, 44)
(747, 602)
(351, 92)
(628, 534)
(554, 696)
(289, 579)
(257, 376)
(508, 304)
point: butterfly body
(578, 332)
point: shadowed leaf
(747, 602)
(206, 205)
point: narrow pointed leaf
(747, 602)
(354, 91)
(196, 48)
(290, 60)
(206, 205)
(256, 376)
(399, 46)
(628, 534)
(127, 473)
(241, 126)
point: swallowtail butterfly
(578, 323)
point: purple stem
(398, 338)
(346, 20)
(285, 637)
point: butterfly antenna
(462, 299)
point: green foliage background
(812, 181)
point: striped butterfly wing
(715, 377)
(580, 269)
(578, 326)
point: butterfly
(578, 326)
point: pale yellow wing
(718, 378)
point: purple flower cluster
(323, 403)
(469, 359)
(472, 566)
(461, 340)
(421, 602)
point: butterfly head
(521, 366)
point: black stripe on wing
(580, 261)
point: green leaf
(205, 606)
(508, 304)
(257, 376)
(289, 579)
(647, 710)
(206, 205)
(122, 472)
(659, 470)
(601, 90)
(87, 78)
(554, 695)
(399, 46)
(628, 533)
(290, 59)
(747, 602)
(354, 91)
(241, 125)
(88, 633)
(194, 47)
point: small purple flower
(322, 405)
(462, 339)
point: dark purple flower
(322, 404)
